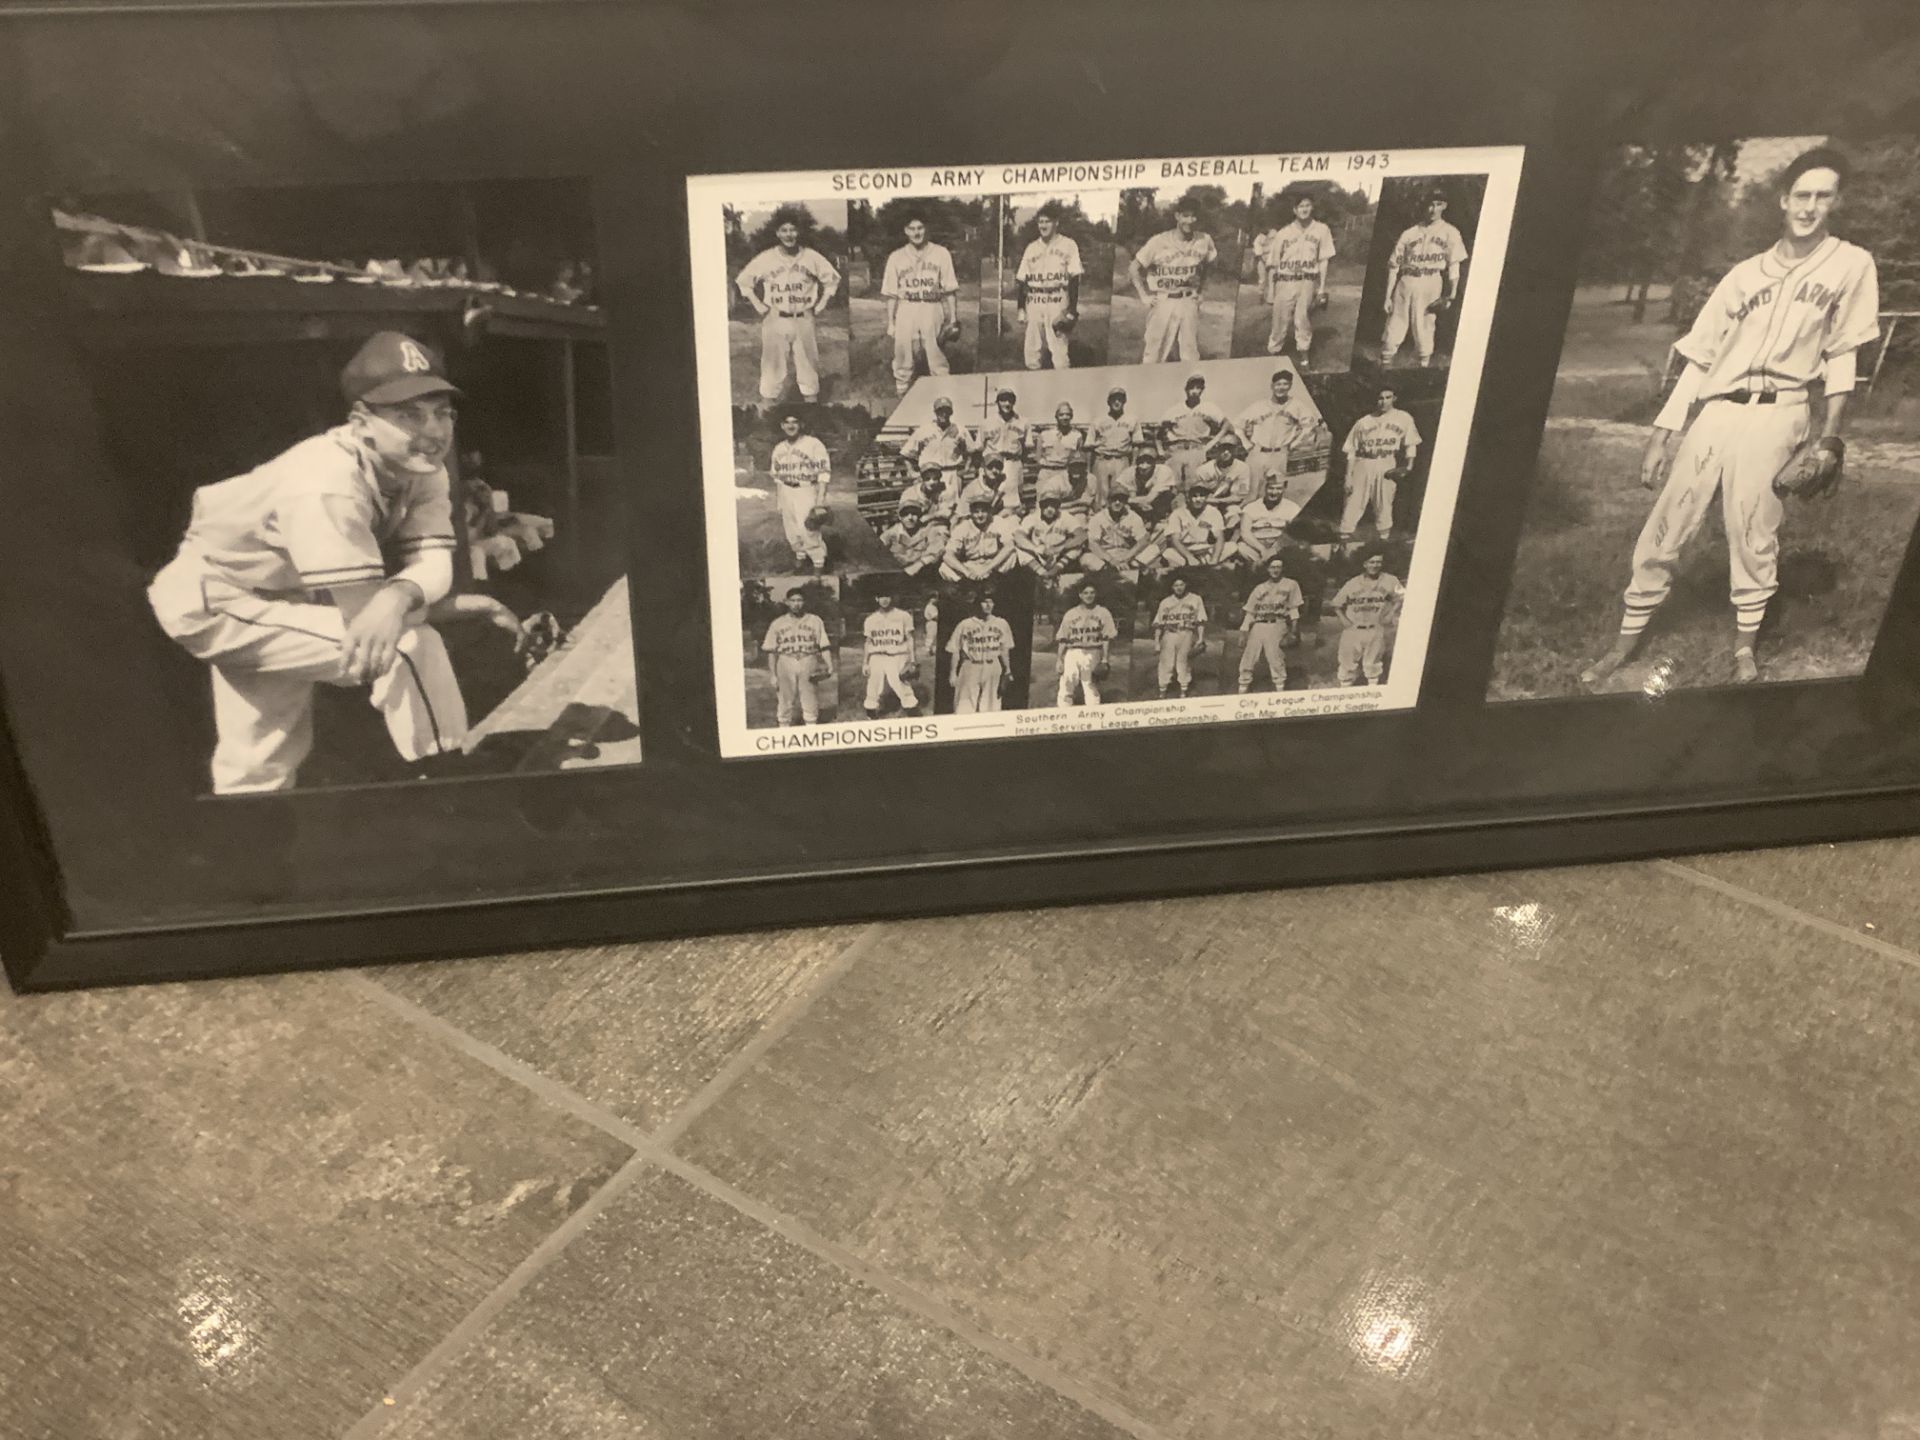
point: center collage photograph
(1014, 450)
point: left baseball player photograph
(1047, 282)
(378, 553)
(983, 637)
(796, 495)
(1083, 641)
(1421, 260)
(888, 668)
(788, 333)
(914, 288)
(1303, 272)
(1176, 272)
(791, 628)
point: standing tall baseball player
(1114, 438)
(1189, 429)
(1794, 314)
(1082, 637)
(1294, 270)
(982, 649)
(1005, 432)
(1168, 274)
(1057, 448)
(801, 473)
(1423, 278)
(1048, 288)
(1380, 450)
(283, 580)
(921, 291)
(1267, 621)
(1271, 428)
(788, 285)
(1367, 605)
(940, 442)
(888, 659)
(1179, 629)
(799, 654)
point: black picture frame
(117, 871)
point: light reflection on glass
(219, 1334)
(1528, 926)
(1388, 1327)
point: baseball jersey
(1377, 437)
(1428, 249)
(1275, 600)
(1195, 530)
(1193, 424)
(1116, 539)
(790, 284)
(978, 488)
(1296, 254)
(1180, 612)
(791, 634)
(1007, 438)
(1154, 494)
(1086, 627)
(802, 461)
(946, 447)
(982, 639)
(914, 547)
(1055, 448)
(1173, 265)
(940, 508)
(1008, 495)
(1114, 437)
(1772, 324)
(1275, 425)
(889, 632)
(1365, 604)
(1266, 525)
(1049, 537)
(1006, 524)
(919, 275)
(315, 517)
(970, 544)
(1046, 267)
(1231, 485)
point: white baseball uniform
(1005, 438)
(1045, 268)
(1263, 527)
(888, 635)
(984, 646)
(949, 446)
(920, 280)
(914, 550)
(1373, 448)
(801, 472)
(1271, 429)
(1190, 432)
(1228, 487)
(974, 553)
(1173, 270)
(1113, 441)
(793, 287)
(1176, 625)
(1046, 541)
(1111, 543)
(1367, 607)
(1054, 451)
(1764, 335)
(1423, 253)
(1083, 635)
(248, 592)
(1271, 607)
(934, 509)
(1295, 258)
(796, 642)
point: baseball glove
(1102, 670)
(819, 517)
(1813, 470)
(822, 668)
(1063, 324)
(1399, 472)
(949, 332)
(1441, 306)
(910, 671)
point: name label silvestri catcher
(1064, 446)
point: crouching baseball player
(282, 581)
(1270, 614)
(888, 659)
(982, 649)
(799, 654)
(1179, 629)
(1083, 635)
(1367, 605)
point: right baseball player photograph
(1303, 272)
(983, 634)
(1047, 282)
(1176, 272)
(1422, 255)
(1083, 642)
(787, 336)
(913, 277)
(791, 627)
(1728, 482)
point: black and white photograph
(1082, 642)
(1417, 270)
(1176, 272)
(890, 663)
(791, 628)
(796, 497)
(789, 334)
(1047, 287)
(914, 289)
(984, 643)
(1729, 477)
(1303, 272)
(387, 547)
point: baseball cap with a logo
(392, 367)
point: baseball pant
(916, 332)
(978, 688)
(1363, 653)
(1369, 485)
(796, 503)
(1182, 461)
(1097, 563)
(1043, 338)
(265, 656)
(1173, 329)
(1292, 309)
(789, 343)
(883, 674)
(1411, 297)
(1737, 449)
(1263, 643)
(1104, 476)
(1176, 658)
(797, 700)
(1076, 677)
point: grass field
(743, 356)
(1003, 345)
(1127, 331)
(870, 359)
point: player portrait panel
(1728, 482)
(796, 491)
(1303, 271)
(890, 661)
(1047, 285)
(1176, 272)
(788, 335)
(791, 631)
(388, 545)
(1419, 264)
(1083, 628)
(983, 635)
(914, 285)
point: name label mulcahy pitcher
(1039, 449)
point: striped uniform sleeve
(423, 541)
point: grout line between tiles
(1788, 912)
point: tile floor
(1620, 1151)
